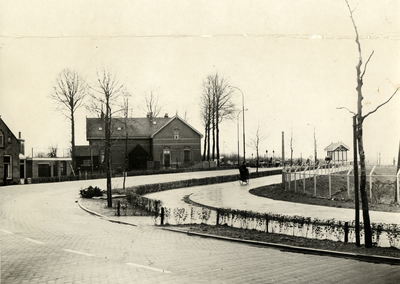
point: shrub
(91, 192)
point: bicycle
(244, 175)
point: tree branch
(346, 109)
(365, 65)
(365, 116)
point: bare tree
(69, 93)
(359, 133)
(52, 151)
(259, 136)
(206, 112)
(217, 105)
(153, 105)
(292, 140)
(104, 102)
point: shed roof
(339, 146)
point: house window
(8, 167)
(9, 140)
(176, 133)
(1, 139)
(186, 155)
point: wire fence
(337, 182)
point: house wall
(35, 166)
(9, 146)
(188, 140)
(118, 149)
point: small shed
(337, 151)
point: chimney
(22, 144)
(166, 115)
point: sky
(294, 61)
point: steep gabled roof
(137, 128)
(179, 118)
(336, 146)
(9, 131)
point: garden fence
(337, 181)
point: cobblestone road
(47, 238)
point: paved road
(47, 238)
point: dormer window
(176, 133)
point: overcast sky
(294, 61)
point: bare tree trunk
(363, 192)
(205, 145)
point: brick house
(10, 151)
(153, 143)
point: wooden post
(330, 184)
(162, 216)
(346, 232)
(118, 208)
(217, 217)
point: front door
(167, 159)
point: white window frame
(176, 134)
(9, 166)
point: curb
(361, 257)
(102, 216)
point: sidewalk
(233, 195)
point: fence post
(217, 217)
(266, 223)
(162, 216)
(348, 182)
(290, 177)
(370, 182)
(330, 184)
(315, 182)
(118, 208)
(346, 232)
(304, 180)
(398, 190)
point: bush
(91, 192)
